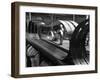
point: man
(61, 34)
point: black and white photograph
(51, 39)
(57, 39)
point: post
(73, 17)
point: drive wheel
(79, 43)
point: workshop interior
(57, 39)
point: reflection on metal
(42, 23)
(74, 23)
(68, 26)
